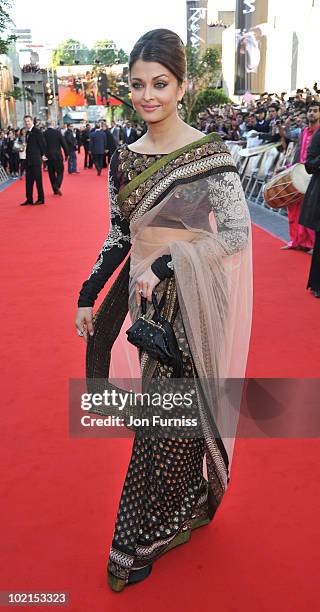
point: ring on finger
(80, 333)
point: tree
(123, 57)
(201, 73)
(105, 52)
(210, 97)
(70, 50)
(19, 93)
(5, 20)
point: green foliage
(210, 97)
(101, 52)
(202, 69)
(123, 57)
(19, 93)
(5, 20)
(16, 93)
(63, 53)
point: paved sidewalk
(270, 221)
(7, 183)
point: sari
(188, 204)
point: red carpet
(60, 495)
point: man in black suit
(55, 142)
(98, 146)
(35, 153)
(129, 133)
(85, 141)
(72, 147)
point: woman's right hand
(84, 322)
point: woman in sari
(177, 208)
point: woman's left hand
(146, 284)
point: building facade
(290, 39)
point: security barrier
(3, 175)
(258, 165)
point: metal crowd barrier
(257, 166)
(3, 175)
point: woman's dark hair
(162, 46)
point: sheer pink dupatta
(205, 225)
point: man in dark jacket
(310, 211)
(129, 133)
(35, 153)
(262, 125)
(85, 141)
(111, 144)
(55, 142)
(72, 147)
(98, 146)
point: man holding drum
(302, 237)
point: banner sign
(197, 23)
(84, 85)
(251, 45)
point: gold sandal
(118, 584)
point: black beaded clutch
(156, 336)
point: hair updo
(162, 46)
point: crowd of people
(281, 120)
(51, 146)
(97, 140)
(269, 118)
(32, 68)
(13, 151)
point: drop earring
(180, 106)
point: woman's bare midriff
(165, 235)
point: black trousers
(22, 166)
(86, 154)
(34, 174)
(98, 160)
(56, 170)
(314, 276)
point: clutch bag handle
(157, 305)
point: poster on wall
(252, 29)
(82, 86)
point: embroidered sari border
(143, 176)
(218, 162)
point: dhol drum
(287, 187)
